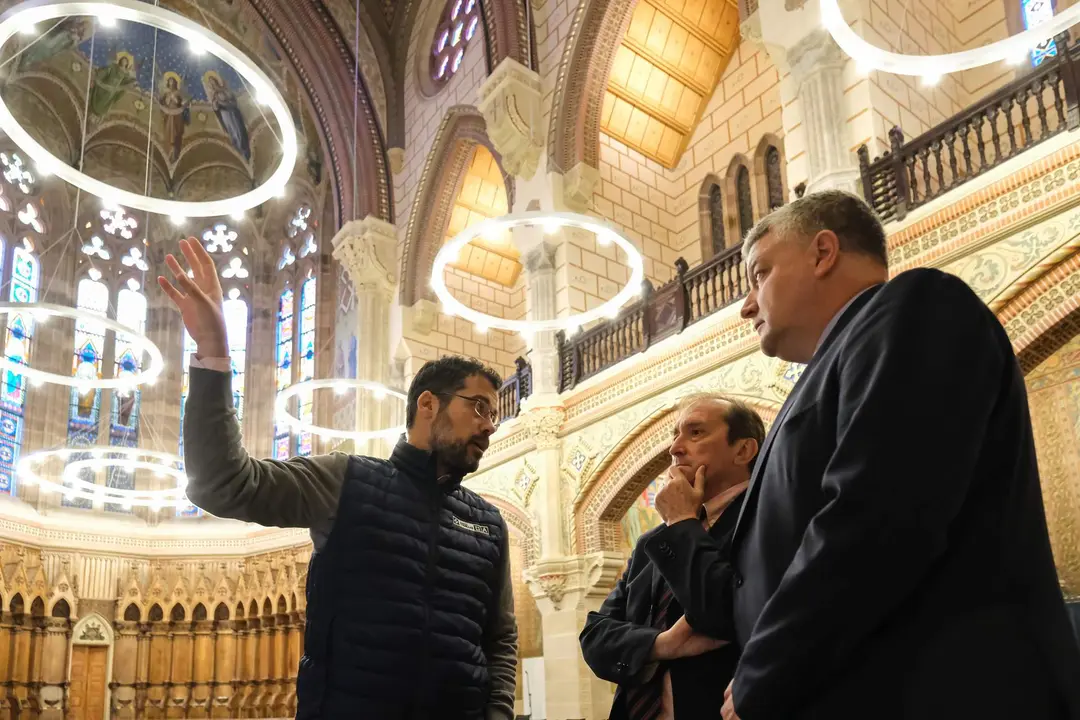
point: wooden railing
(1029, 110)
(514, 389)
(691, 296)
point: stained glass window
(189, 348)
(93, 297)
(774, 181)
(1035, 13)
(25, 276)
(284, 337)
(743, 196)
(458, 25)
(307, 359)
(716, 219)
(124, 425)
(236, 328)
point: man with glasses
(410, 611)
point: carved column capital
(579, 185)
(815, 52)
(567, 582)
(540, 258)
(510, 100)
(366, 249)
(543, 424)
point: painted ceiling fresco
(89, 93)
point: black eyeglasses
(482, 407)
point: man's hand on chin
(728, 711)
(682, 495)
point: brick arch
(462, 129)
(1041, 310)
(626, 470)
(588, 53)
(519, 523)
(307, 34)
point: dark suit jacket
(617, 640)
(892, 559)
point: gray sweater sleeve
(225, 481)
(501, 645)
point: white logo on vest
(472, 527)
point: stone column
(793, 36)
(367, 250)
(54, 671)
(817, 67)
(202, 662)
(566, 590)
(541, 290)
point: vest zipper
(429, 589)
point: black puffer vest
(400, 597)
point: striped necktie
(645, 701)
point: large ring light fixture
(33, 12)
(140, 343)
(340, 385)
(551, 222)
(159, 463)
(871, 57)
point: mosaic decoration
(25, 277)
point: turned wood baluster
(980, 142)
(995, 134)
(913, 179)
(1025, 116)
(950, 143)
(1040, 107)
(1059, 100)
(939, 167)
(924, 156)
(1006, 107)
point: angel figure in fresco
(68, 34)
(177, 113)
(110, 84)
(228, 112)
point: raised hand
(198, 298)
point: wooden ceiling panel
(482, 196)
(664, 72)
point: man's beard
(453, 453)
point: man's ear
(745, 451)
(427, 405)
(826, 249)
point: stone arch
(462, 129)
(519, 522)
(624, 472)
(1041, 310)
(132, 613)
(588, 53)
(304, 31)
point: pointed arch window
(190, 348)
(283, 357)
(774, 181)
(236, 313)
(24, 281)
(716, 219)
(744, 201)
(306, 352)
(92, 296)
(131, 308)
